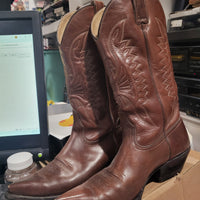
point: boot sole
(168, 170)
(11, 196)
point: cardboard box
(184, 186)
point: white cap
(20, 161)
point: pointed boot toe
(46, 182)
(78, 193)
(18, 188)
(28, 186)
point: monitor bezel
(32, 143)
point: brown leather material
(92, 143)
(97, 5)
(177, 139)
(137, 61)
(159, 54)
(140, 12)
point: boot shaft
(133, 43)
(85, 75)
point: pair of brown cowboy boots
(133, 49)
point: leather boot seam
(174, 126)
(92, 142)
(151, 146)
(156, 89)
(65, 163)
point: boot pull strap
(98, 5)
(140, 12)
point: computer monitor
(23, 107)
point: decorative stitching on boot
(164, 68)
(131, 87)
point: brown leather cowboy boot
(92, 143)
(132, 40)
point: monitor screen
(19, 108)
(23, 107)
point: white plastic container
(20, 166)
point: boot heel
(171, 168)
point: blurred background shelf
(49, 29)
